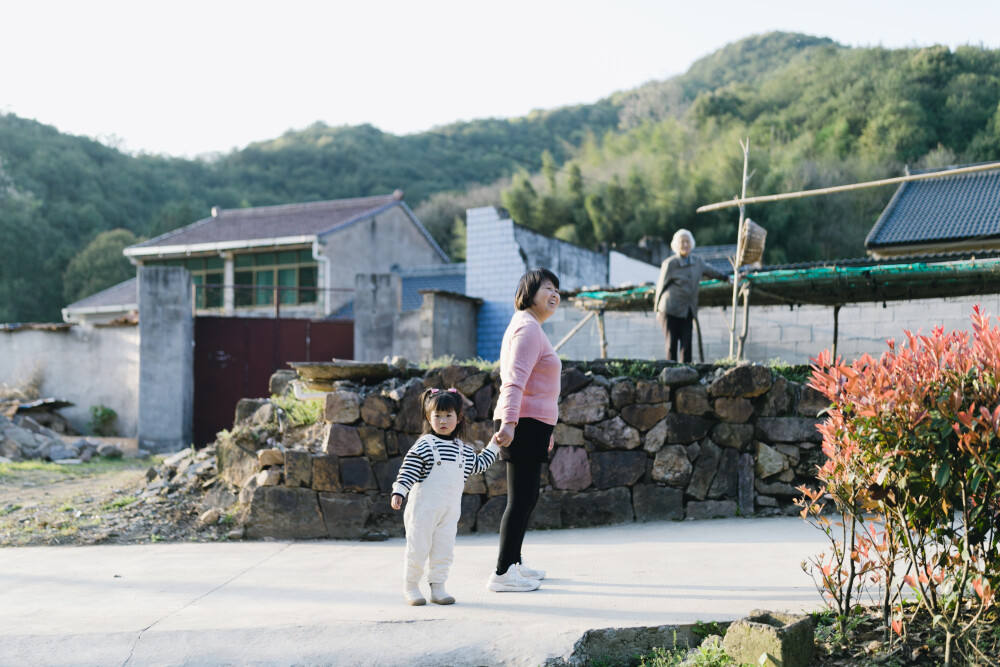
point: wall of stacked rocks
(693, 442)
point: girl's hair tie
(450, 391)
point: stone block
(620, 646)
(470, 507)
(611, 469)
(771, 638)
(472, 383)
(483, 400)
(596, 508)
(476, 484)
(704, 470)
(343, 441)
(612, 434)
(654, 439)
(270, 457)
(570, 469)
(356, 474)
(479, 432)
(247, 407)
(391, 443)
(789, 429)
(573, 380)
(777, 399)
(710, 509)
(373, 443)
(736, 436)
(733, 410)
(496, 479)
(489, 515)
(682, 429)
(622, 394)
(548, 512)
(644, 416)
(386, 472)
(725, 484)
(235, 464)
(647, 391)
(811, 402)
(345, 515)
(298, 468)
(692, 400)
(269, 477)
(746, 484)
(342, 407)
(584, 407)
(410, 418)
(280, 382)
(377, 410)
(652, 502)
(284, 513)
(672, 467)
(567, 435)
(777, 489)
(745, 381)
(383, 521)
(326, 473)
(678, 376)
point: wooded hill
(637, 163)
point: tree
(100, 265)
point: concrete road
(340, 603)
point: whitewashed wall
(85, 365)
(776, 332)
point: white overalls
(431, 519)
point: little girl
(433, 472)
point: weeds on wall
(299, 412)
(102, 421)
(912, 442)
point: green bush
(102, 420)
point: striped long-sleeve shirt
(419, 460)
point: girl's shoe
(530, 573)
(440, 596)
(413, 595)
(511, 582)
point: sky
(192, 78)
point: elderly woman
(676, 298)
(525, 417)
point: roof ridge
(327, 203)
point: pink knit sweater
(529, 373)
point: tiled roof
(268, 222)
(958, 208)
(124, 295)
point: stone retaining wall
(693, 442)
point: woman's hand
(552, 442)
(505, 435)
(397, 501)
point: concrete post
(377, 304)
(229, 280)
(166, 359)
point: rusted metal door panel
(234, 358)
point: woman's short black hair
(529, 285)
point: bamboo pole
(572, 332)
(600, 331)
(743, 201)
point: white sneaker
(511, 582)
(529, 573)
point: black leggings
(523, 478)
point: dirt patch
(95, 503)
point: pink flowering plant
(912, 445)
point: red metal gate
(234, 358)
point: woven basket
(752, 242)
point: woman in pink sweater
(526, 414)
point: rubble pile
(22, 438)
